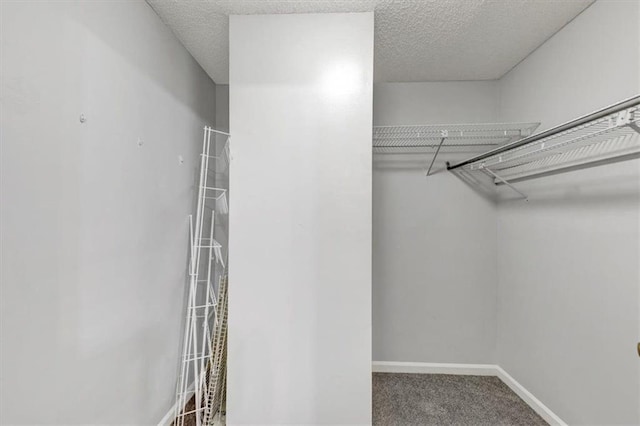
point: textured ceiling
(415, 40)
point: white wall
(222, 107)
(569, 260)
(94, 230)
(434, 264)
(300, 302)
(435, 102)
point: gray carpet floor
(442, 399)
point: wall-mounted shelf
(447, 138)
(602, 137)
(457, 137)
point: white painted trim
(533, 402)
(170, 416)
(471, 370)
(433, 368)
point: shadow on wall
(596, 187)
(402, 161)
(618, 183)
(480, 183)
(100, 20)
(419, 163)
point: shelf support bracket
(443, 134)
(625, 118)
(524, 196)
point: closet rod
(634, 100)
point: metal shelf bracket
(523, 195)
(625, 118)
(444, 134)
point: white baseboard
(471, 370)
(434, 368)
(441, 368)
(533, 402)
(171, 414)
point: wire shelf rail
(605, 136)
(446, 138)
(457, 137)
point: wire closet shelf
(447, 137)
(605, 136)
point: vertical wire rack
(202, 369)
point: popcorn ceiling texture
(415, 40)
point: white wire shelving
(202, 373)
(605, 136)
(438, 139)
(426, 138)
(219, 196)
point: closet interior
(506, 238)
(435, 216)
